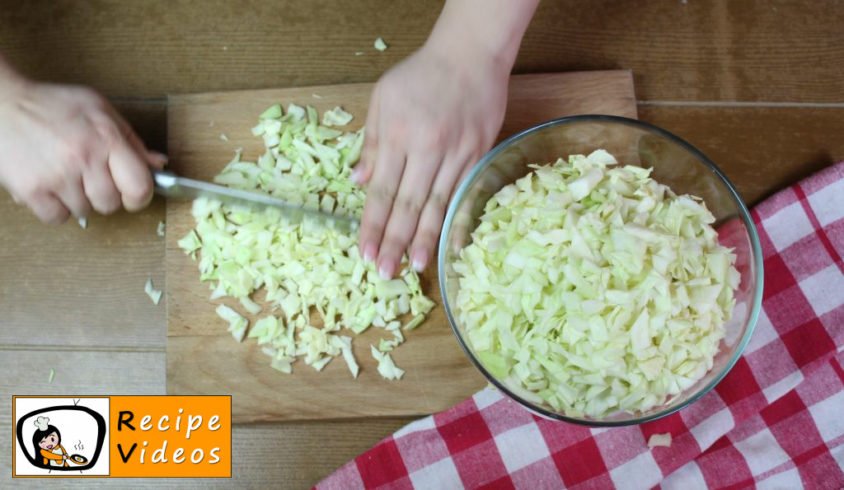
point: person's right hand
(64, 150)
(431, 118)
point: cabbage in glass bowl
(596, 291)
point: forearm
(487, 28)
(9, 77)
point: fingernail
(160, 157)
(385, 270)
(356, 174)
(369, 252)
(419, 260)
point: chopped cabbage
(154, 294)
(83, 222)
(386, 367)
(660, 440)
(336, 117)
(593, 289)
(160, 229)
(273, 112)
(265, 330)
(414, 322)
(249, 305)
(345, 344)
(315, 280)
(237, 324)
(380, 45)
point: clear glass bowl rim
(744, 213)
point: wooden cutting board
(202, 358)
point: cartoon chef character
(47, 441)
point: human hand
(430, 119)
(65, 150)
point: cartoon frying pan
(78, 459)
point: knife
(169, 184)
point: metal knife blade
(171, 185)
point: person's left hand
(430, 119)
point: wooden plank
(202, 357)
(73, 287)
(761, 149)
(298, 451)
(750, 50)
(693, 51)
(438, 376)
(283, 456)
(85, 372)
(84, 287)
(26, 372)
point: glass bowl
(676, 164)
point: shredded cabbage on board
(593, 288)
(315, 281)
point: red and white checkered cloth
(776, 421)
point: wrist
(461, 52)
(481, 31)
(10, 80)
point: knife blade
(171, 185)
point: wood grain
(283, 456)
(201, 356)
(72, 287)
(88, 284)
(761, 149)
(26, 371)
(750, 50)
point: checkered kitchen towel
(776, 421)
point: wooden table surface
(758, 85)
